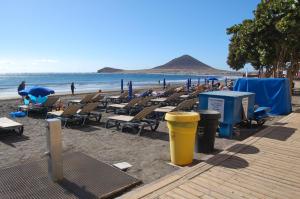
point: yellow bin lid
(182, 116)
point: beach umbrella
(130, 90)
(164, 83)
(37, 91)
(212, 79)
(122, 85)
(188, 85)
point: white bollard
(54, 144)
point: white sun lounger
(8, 124)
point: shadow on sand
(228, 161)
(10, 137)
(78, 191)
(243, 149)
(280, 133)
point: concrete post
(54, 144)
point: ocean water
(85, 82)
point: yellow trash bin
(182, 130)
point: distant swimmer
(72, 88)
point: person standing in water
(21, 87)
(72, 88)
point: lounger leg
(156, 124)
(117, 124)
(107, 124)
(141, 129)
(83, 121)
(20, 131)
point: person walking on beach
(72, 88)
(21, 87)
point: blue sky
(85, 35)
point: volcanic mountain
(184, 64)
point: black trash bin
(206, 132)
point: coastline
(89, 82)
(81, 93)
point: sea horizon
(89, 81)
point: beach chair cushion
(124, 118)
(117, 105)
(56, 113)
(8, 123)
(165, 109)
(161, 99)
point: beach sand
(149, 153)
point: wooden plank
(231, 185)
(260, 182)
(183, 179)
(191, 190)
(213, 185)
(206, 191)
(174, 195)
(184, 194)
(253, 188)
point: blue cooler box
(230, 104)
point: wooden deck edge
(176, 178)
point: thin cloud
(44, 61)
(6, 62)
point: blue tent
(269, 92)
(37, 91)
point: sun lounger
(87, 112)
(48, 105)
(123, 106)
(186, 105)
(87, 98)
(191, 95)
(118, 98)
(69, 114)
(167, 92)
(96, 98)
(8, 124)
(171, 100)
(134, 122)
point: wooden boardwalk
(266, 165)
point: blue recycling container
(231, 105)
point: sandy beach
(149, 153)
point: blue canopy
(37, 91)
(269, 92)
